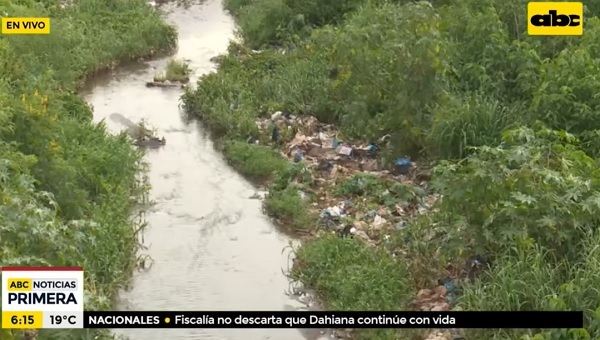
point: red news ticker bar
(42, 269)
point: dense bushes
(530, 187)
(67, 186)
(510, 118)
(267, 23)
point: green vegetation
(176, 71)
(510, 120)
(68, 187)
(291, 208)
(256, 161)
(372, 279)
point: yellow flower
(36, 93)
(23, 98)
(45, 99)
(54, 148)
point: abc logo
(555, 18)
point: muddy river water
(211, 246)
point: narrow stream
(212, 247)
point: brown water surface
(212, 247)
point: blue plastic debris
(402, 166)
(451, 298)
(450, 286)
(403, 162)
(335, 143)
(297, 156)
(372, 148)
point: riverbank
(69, 186)
(483, 218)
(201, 224)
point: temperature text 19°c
(63, 319)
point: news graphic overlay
(337, 319)
(25, 25)
(42, 297)
(555, 18)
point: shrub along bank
(510, 120)
(67, 187)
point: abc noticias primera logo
(555, 18)
(25, 25)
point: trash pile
(332, 160)
(319, 144)
(319, 147)
(438, 299)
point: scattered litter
(402, 166)
(325, 165)
(401, 225)
(275, 134)
(332, 212)
(276, 116)
(431, 300)
(348, 230)
(450, 287)
(334, 159)
(150, 142)
(302, 194)
(344, 150)
(379, 221)
(297, 155)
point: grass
(175, 71)
(291, 208)
(69, 187)
(258, 162)
(350, 275)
